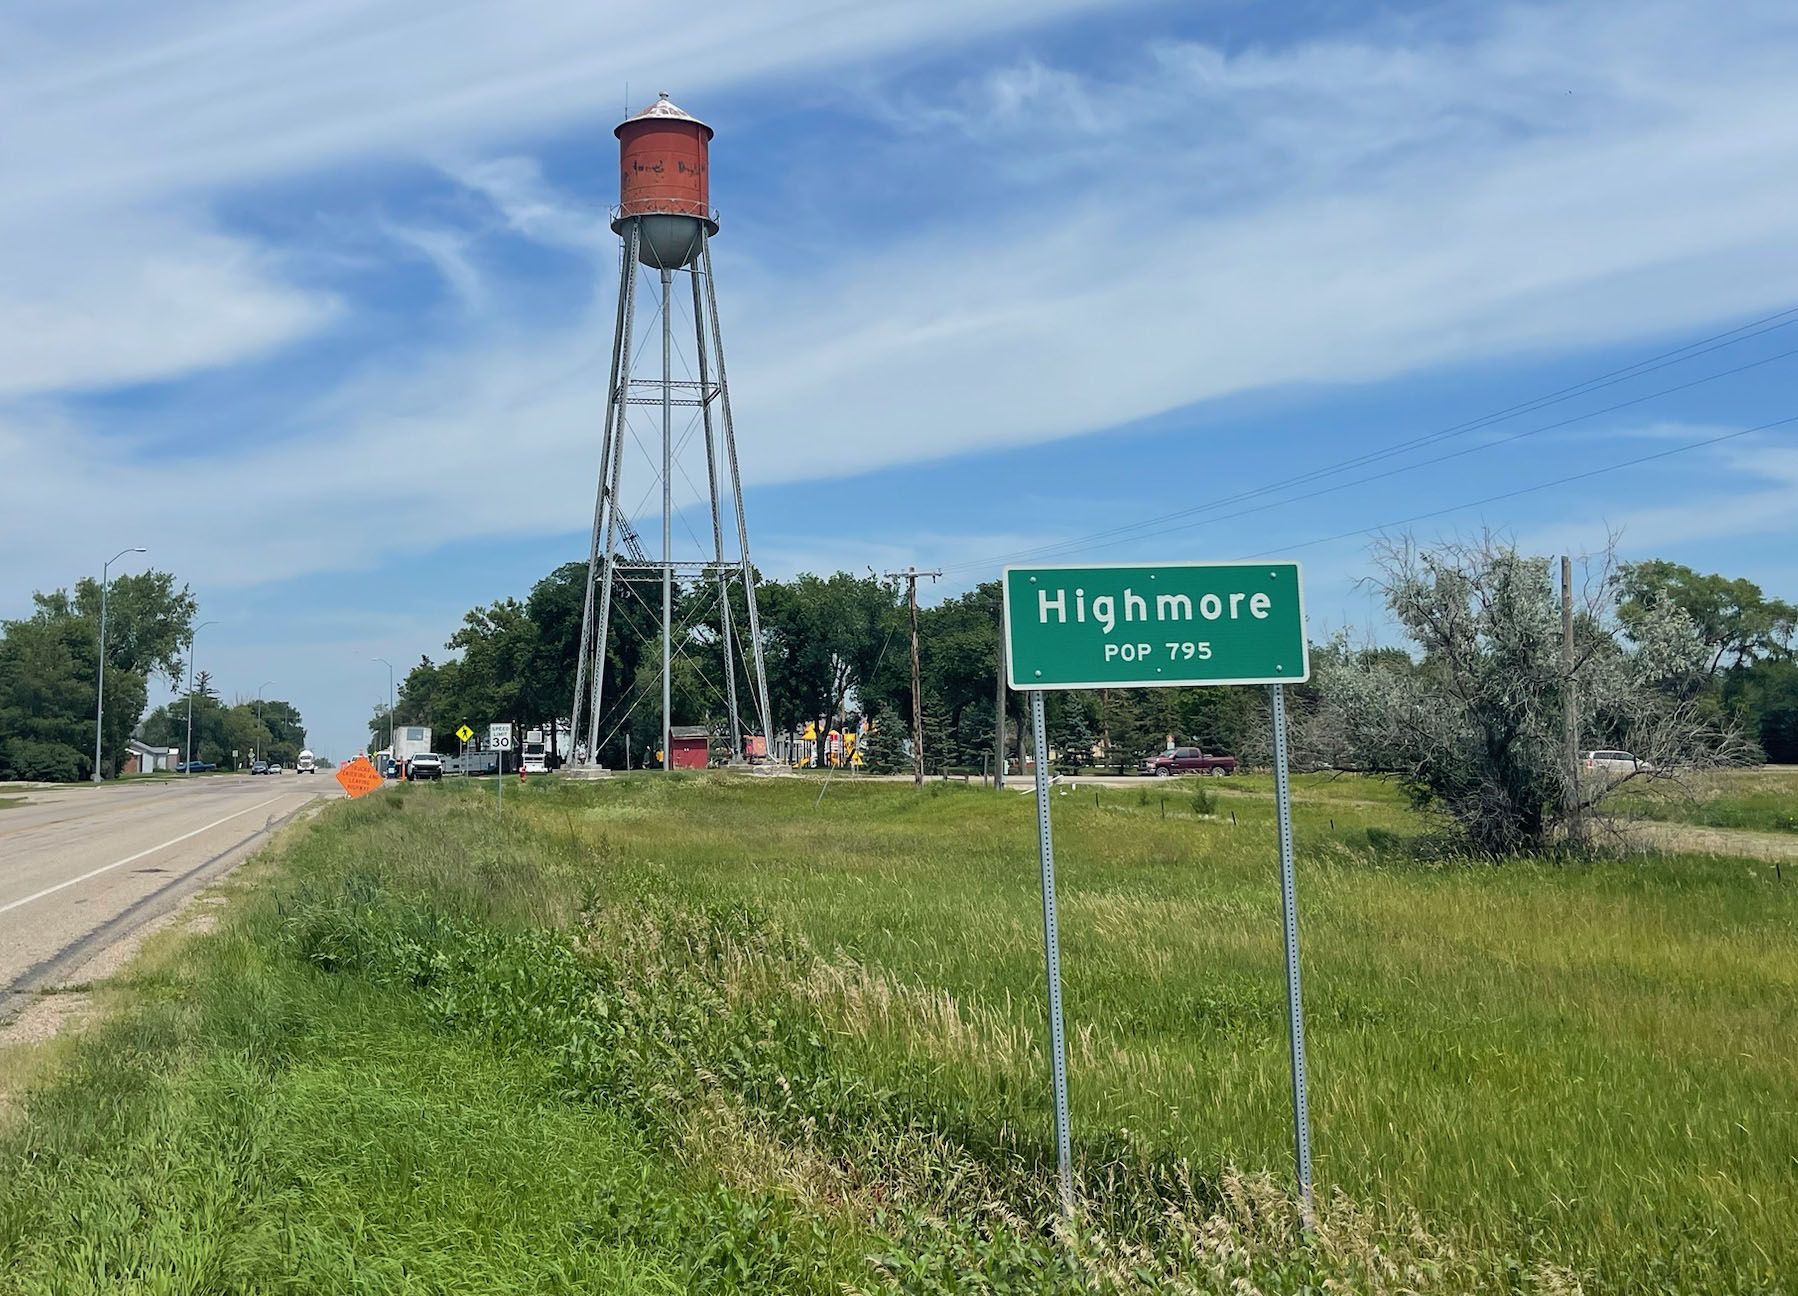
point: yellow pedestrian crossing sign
(464, 733)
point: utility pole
(910, 576)
(1569, 702)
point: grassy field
(716, 1034)
(1764, 800)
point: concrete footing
(585, 773)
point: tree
(47, 668)
(1737, 623)
(939, 744)
(883, 749)
(147, 620)
(54, 656)
(555, 607)
(826, 638)
(380, 728)
(1069, 724)
(240, 737)
(230, 736)
(1475, 730)
(1765, 696)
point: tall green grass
(1763, 800)
(819, 1009)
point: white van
(307, 763)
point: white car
(1614, 762)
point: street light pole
(259, 688)
(187, 753)
(390, 702)
(100, 688)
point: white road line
(131, 859)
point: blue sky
(316, 303)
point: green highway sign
(1159, 625)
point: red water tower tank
(663, 184)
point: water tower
(665, 222)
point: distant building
(141, 758)
(691, 745)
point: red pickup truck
(1188, 760)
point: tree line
(837, 651)
(49, 674)
(228, 735)
(836, 648)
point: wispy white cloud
(124, 124)
(1764, 503)
(1480, 182)
(447, 251)
(92, 302)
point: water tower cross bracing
(665, 223)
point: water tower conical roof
(663, 109)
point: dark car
(1188, 760)
(425, 765)
(259, 767)
(195, 767)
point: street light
(390, 701)
(188, 751)
(100, 688)
(259, 688)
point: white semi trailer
(409, 741)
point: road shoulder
(46, 1010)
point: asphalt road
(83, 868)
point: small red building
(691, 746)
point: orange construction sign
(359, 777)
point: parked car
(425, 765)
(195, 767)
(1614, 762)
(1188, 760)
(258, 767)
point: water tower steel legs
(765, 714)
(610, 524)
(614, 432)
(599, 504)
(667, 512)
(711, 485)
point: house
(690, 744)
(141, 758)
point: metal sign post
(499, 737)
(1160, 626)
(1058, 1064)
(1295, 1004)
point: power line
(1666, 359)
(1539, 486)
(1456, 454)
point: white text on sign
(1168, 607)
